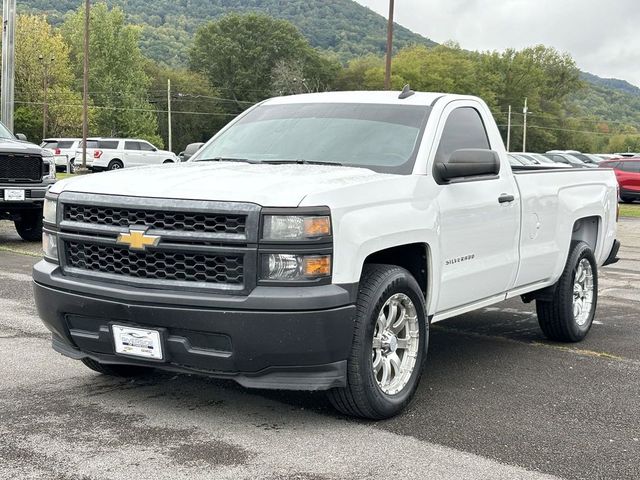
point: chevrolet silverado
(311, 243)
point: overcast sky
(603, 36)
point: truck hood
(266, 185)
(8, 145)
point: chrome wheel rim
(395, 344)
(583, 292)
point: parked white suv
(63, 149)
(117, 153)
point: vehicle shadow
(449, 350)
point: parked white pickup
(117, 153)
(312, 242)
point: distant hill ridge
(341, 26)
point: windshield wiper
(302, 162)
(271, 162)
(227, 159)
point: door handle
(505, 198)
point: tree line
(243, 58)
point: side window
(65, 144)
(633, 167)
(464, 129)
(108, 144)
(147, 147)
(132, 145)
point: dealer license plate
(138, 342)
(14, 195)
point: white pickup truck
(310, 244)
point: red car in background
(628, 175)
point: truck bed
(550, 196)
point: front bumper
(633, 194)
(297, 338)
(34, 197)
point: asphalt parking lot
(497, 401)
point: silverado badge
(137, 239)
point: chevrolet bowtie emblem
(137, 239)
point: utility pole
(509, 130)
(85, 88)
(387, 74)
(45, 90)
(8, 62)
(524, 131)
(169, 114)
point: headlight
(48, 157)
(296, 227)
(291, 268)
(50, 245)
(50, 210)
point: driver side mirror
(469, 163)
(21, 136)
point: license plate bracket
(138, 342)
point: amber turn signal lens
(319, 266)
(317, 226)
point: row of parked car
(626, 166)
(558, 158)
(106, 153)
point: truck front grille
(20, 168)
(203, 245)
(160, 220)
(155, 265)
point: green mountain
(341, 26)
(610, 99)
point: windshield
(5, 133)
(384, 138)
(542, 158)
(582, 157)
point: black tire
(556, 316)
(116, 370)
(167, 161)
(626, 200)
(115, 165)
(362, 396)
(29, 226)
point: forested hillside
(341, 26)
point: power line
(179, 97)
(564, 130)
(149, 110)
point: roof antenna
(406, 92)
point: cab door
(149, 154)
(133, 155)
(479, 216)
(628, 174)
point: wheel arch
(413, 257)
(587, 230)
